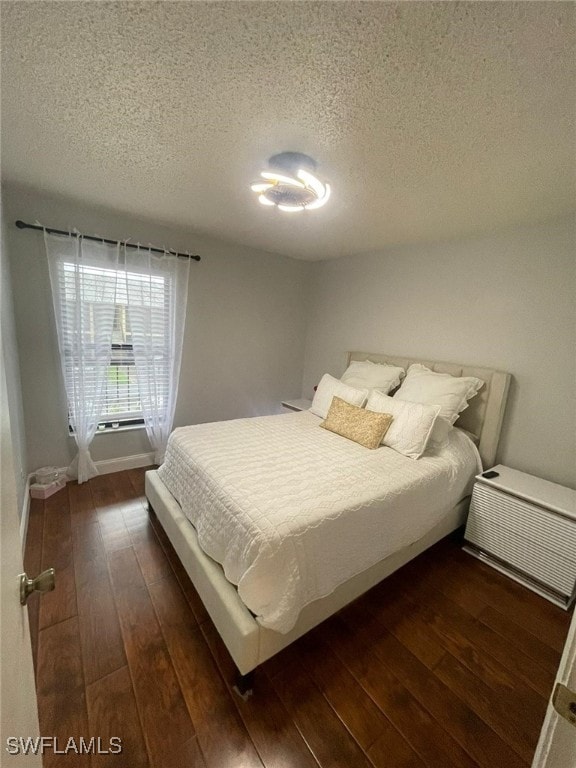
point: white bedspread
(291, 510)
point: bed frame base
(248, 643)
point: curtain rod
(23, 225)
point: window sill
(126, 428)
(109, 430)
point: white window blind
(114, 291)
(122, 396)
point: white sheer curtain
(83, 276)
(156, 291)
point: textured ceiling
(430, 120)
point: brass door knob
(44, 582)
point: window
(122, 405)
(120, 315)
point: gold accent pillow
(364, 427)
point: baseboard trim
(107, 466)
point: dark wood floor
(445, 664)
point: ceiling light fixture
(290, 184)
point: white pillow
(330, 387)
(411, 426)
(371, 375)
(442, 429)
(451, 393)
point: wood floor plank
(151, 557)
(269, 725)
(102, 643)
(187, 755)
(520, 711)
(124, 489)
(277, 663)
(133, 508)
(471, 640)
(362, 718)
(379, 755)
(137, 479)
(224, 741)
(434, 569)
(516, 725)
(465, 632)
(460, 720)
(109, 510)
(163, 714)
(319, 725)
(59, 604)
(103, 492)
(390, 608)
(33, 566)
(87, 541)
(532, 612)
(136, 517)
(456, 631)
(115, 535)
(435, 747)
(192, 596)
(86, 531)
(61, 692)
(112, 712)
(82, 508)
(520, 638)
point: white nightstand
(525, 527)
(297, 405)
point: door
(18, 710)
(557, 745)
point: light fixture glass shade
(321, 200)
(291, 208)
(312, 182)
(281, 179)
(290, 184)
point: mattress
(291, 511)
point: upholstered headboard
(485, 412)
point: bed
(323, 519)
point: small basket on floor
(45, 490)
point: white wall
(244, 337)
(505, 301)
(10, 362)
